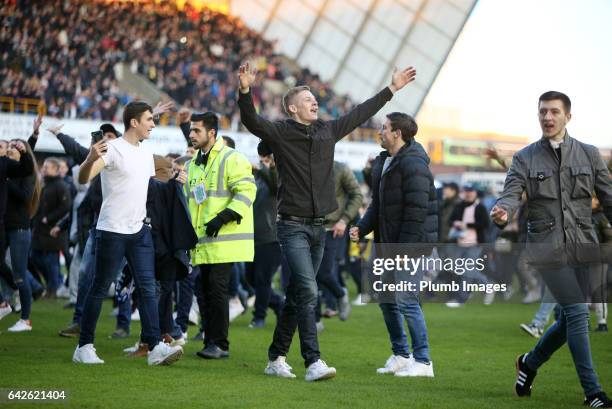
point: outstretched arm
(257, 125)
(364, 111)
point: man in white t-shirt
(126, 167)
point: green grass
(473, 351)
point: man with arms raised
(303, 148)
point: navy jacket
(404, 206)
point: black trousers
(214, 290)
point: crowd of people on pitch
(48, 215)
(207, 230)
(63, 53)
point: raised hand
(184, 115)
(246, 75)
(19, 146)
(400, 79)
(163, 107)
(55, 129)
(96, 151)
(36, 125)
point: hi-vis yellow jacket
(229, 183)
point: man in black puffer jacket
(404, 209)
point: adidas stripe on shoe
(524, 377)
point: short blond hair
(290, 94)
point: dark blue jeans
(47, 262)
(186, 287)
(19, 242)
(571, 327)
(138, 249)
(394, 315)
(302, 245)
(327, 276)
(86, 276)
(265, 264)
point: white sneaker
(4, 311)
(319, 371)
(454, 304)
(489, 298)
(394, 364)
(235, 308)
(21, 326)
(135, 315)
(86, 355)
(164, 354)
(280, 368)
(63, 292)
(533, 296)
(417, 369)
(132, 349)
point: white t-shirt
(125, 181)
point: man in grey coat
(559, 174)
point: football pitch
(472, 348)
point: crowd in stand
(64, 53)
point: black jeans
(302, 246)
(265, 264)
(214, 288)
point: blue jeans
(327, 276)
(265, 264)
(186, 287)
(86, 274)
(571, 327)
(48, 263)
(19, 242)
(394, 314)
(138, 249)
(546, 308)
(302, 246)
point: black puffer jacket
(404, 206)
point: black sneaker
(213, 352)
(524, 377)
(599, 400)
(602, 328)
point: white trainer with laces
(4, 311)
(417, 369)
(394, 364)
(86, 355)
(319, 371)
(21, 326)
(164, 354)
(279, 368)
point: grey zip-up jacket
(558, 193)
